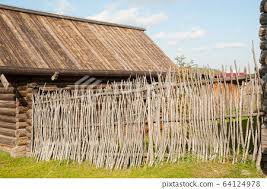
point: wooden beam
(7, 132)
(11, 141)
(7, 125)
(4, 81)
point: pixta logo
(87, 82)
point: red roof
(231, 75)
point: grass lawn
(30, 168)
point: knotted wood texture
(135, 123)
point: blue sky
(211, 32)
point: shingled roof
(33, 42)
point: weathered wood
(18, 151)
(8, 119)
(29, 105)
(263, 71)
(263, 57)
(134, 123)
(21, 125)
(7, 132)
(263, 6)
(29, 129)
(4, 81)
(21, 133)
(22, 109)
(9, 90)
(263, 45)
(8, 111)
(29, 121)
(11, 141)
(7, 104)
(22, 88)
(263, 32)
(263, 19)
(20, 117)
(7, 125)
(22, 141)
(9, 97)
(29, 114)
(264, 158)
(23, 93)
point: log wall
(8, 109)
(21, 120)
(15, 119)
(263, 61)
(29, 118)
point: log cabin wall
(7, 118)
(21, 120)
(15, 119)
(29, 118)
(263, 71)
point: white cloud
(179, 50)
(174, 38)
(201, 49)
(63, 6)
(227, 45)
(131, 16)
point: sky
(210, 32)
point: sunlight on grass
(30, 168)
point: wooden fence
(135, 123)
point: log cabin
(38, 48)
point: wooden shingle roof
(33, 42)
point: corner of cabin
(15, 124)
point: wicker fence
(136, 123)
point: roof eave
(50, 72)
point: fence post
(150, 156)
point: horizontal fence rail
(134, 123)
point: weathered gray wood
(21, 117)
(7, 132)
(133, 123)
(21, 132)
(21, 125)
(4, 81)
(10, 141)
(263, 6)
(8, 119)
(263, 57)
(7, 125)
(263, 19)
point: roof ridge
(42, 13)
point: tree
(181, 61)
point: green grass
(30, 168)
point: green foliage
(182, 61)
(188, 168)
